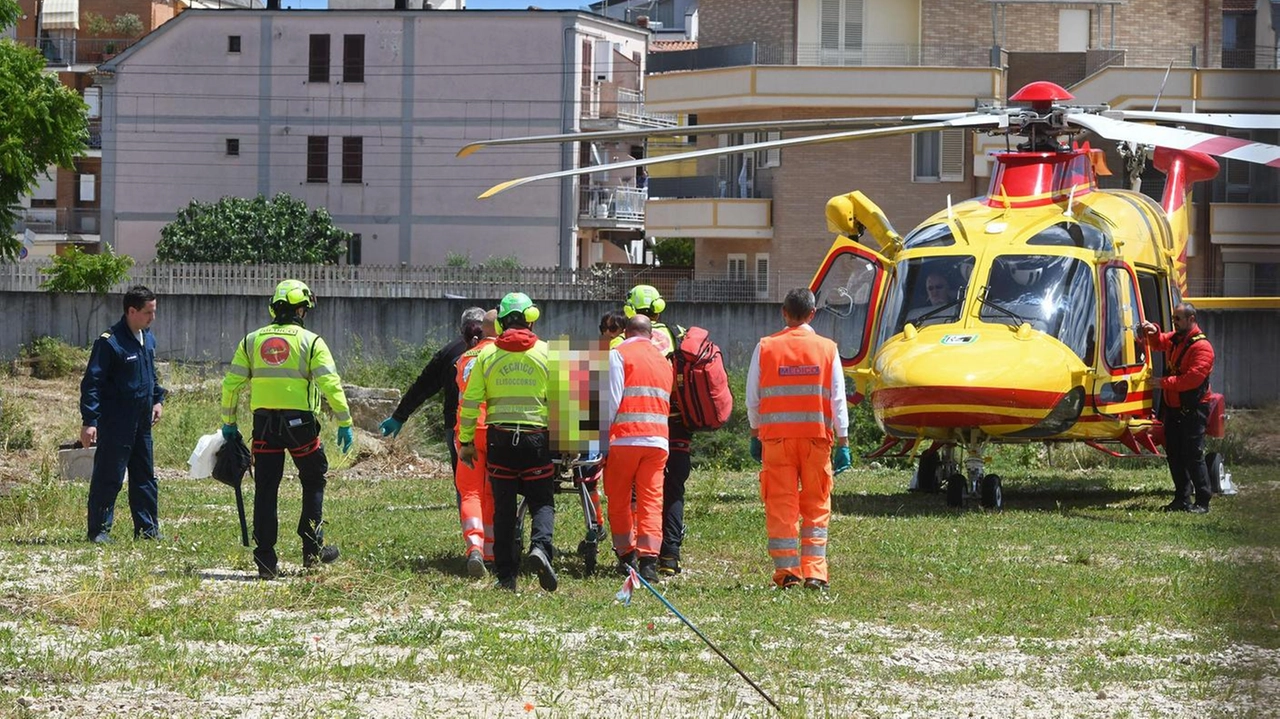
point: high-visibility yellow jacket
(286, 367)
(663, 338)
(512, 384)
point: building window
(87, 189)
(939, 156)
(354, 249)
(352, 160)
(840, 32)
(233, 43)
(93, 98)
(233, 147)
(319, 65)
(737, 265)
(762, 274)
(353, 58)
(317, 159)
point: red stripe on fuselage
(994, 397)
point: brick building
(763, 221)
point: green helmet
(293, 293)
(644, 298)
(518, 303)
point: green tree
(675, 252)
(76, 271)
(128, 25)
(42, 123)
(252, 231)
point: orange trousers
(795, 485)
(635, 527)
(475, 501)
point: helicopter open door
(1122, 364)
(849, 288)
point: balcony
(755, 76)
(710, 217)
(868, 55)
(58, 221)
(95, 134)
(608, 106)
(68, 51)
(613, 207)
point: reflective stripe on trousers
(795, 485)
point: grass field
(1079, 599)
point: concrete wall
(202, 327)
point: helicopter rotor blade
(832, 123)
(1179, 139)
(967, 120)
(1233, 120)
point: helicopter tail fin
(1181, 169)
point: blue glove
(345, 439)
(229, 432)
(391, 427)
(757, 450)
(843, 459)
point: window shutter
(830, 24)
(951, 156)
(762, 275)
(852, 25)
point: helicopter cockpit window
(926, 291)
(1073, 234)
(1054, 295)
(929, 236)
(844, 303)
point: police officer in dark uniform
(120, 400)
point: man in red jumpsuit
(1185, 407)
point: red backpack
(702, 387)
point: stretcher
(578, 475)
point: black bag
(230, 464)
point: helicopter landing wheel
(955, 490)
(927, 473)
(1216, 467)
(992, 492)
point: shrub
(51, 358)
(15, 432)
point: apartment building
(362, 111)
(760, 219)
(74, 36)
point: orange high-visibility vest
(464, 365)
(795, 384)
(647, 379)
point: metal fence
(601, 282)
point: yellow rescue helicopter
(1015, 316)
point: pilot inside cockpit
(939, 292)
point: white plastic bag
(205, 455)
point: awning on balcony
(61, 15)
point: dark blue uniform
(116, 396)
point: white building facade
(360, 112)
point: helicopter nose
(1003, 382)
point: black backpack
(231, 462)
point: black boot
(626, 563)
(649, 569)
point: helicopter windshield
(1073, 234)
(1052, 294)
(929, 236)
(926, 291)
